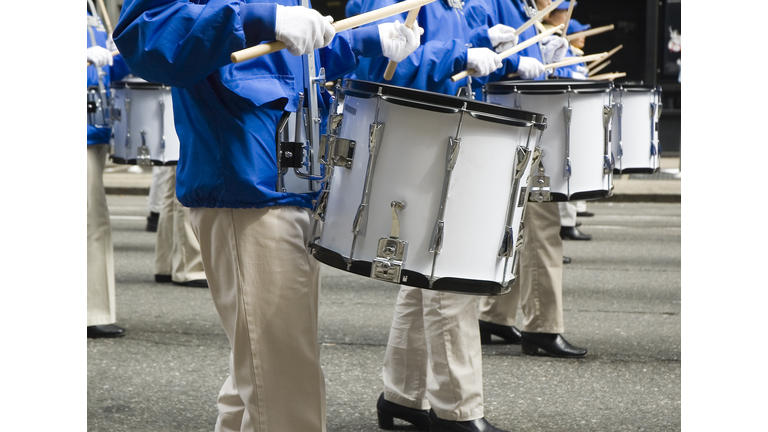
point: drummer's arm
(181, 43)
(427, 68)
(342, 55)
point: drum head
(554, 86)
(431, 101)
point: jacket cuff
(366, 41)
(259, 20)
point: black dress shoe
(152, 221)
(585, 214)
(552, 344)
(197, 283)
(566, 260)
(573, 233)
(478, 425)
(163, 278)
(389, 411)
(510, 334)
(105, 331)
(578, 223)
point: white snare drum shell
(635, 133)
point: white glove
(578, 76)
(529, 68)
(398, 41)
(502, 37)
(582, 70)
(554, 49)
(99, 56)
(483, 61)
(302, 30)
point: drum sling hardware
(338, 152)
(127, 125)
(567, 112)
(608, 111)
(162, 127)
(390, 253)
(539, 190)
(142, 153)
(522, 158)
(620, 113)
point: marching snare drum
(425, 190)
(635, 137)
(143, 131)
(576, 162)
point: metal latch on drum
(390, 253)
(142, 153)
(338, 152)
(539, 180)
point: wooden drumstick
(608, 76)
(409, 20)
(610, 53)
(509, 52)
(345, 24)
(538, 17)
(106, 16)
(599, 68)
(570, 61)
(568, 17)
(114, 53)
(590, 32)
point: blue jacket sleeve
(341, 56)
(180, 43)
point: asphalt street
(621, 294)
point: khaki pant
(101, 268)
(538, 289)
(433, 356)
(265, 288)
(177, 251)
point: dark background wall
(643, 28)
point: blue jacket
(226, 114)
(489, 13)
(118, 70)
(442, 54)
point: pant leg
(541, 270)
(581, 206)
(164, 239)
(186, 260)
(455, 355)
(567, 213)
(101, 270)
(156, 188)
(501, 309)
(405, 362)
(265, 288)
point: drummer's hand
(582, 70)
(398, 41)
(302, 30)
(99, 56)
(529, 68)
(578, 76)
(553, 49)
(502, 37)
(483, 61)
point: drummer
(103, 68)
(554, 19)
(538, 288)
(252, 238)
(434, 334)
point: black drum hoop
(559, 86)
(437, 102)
